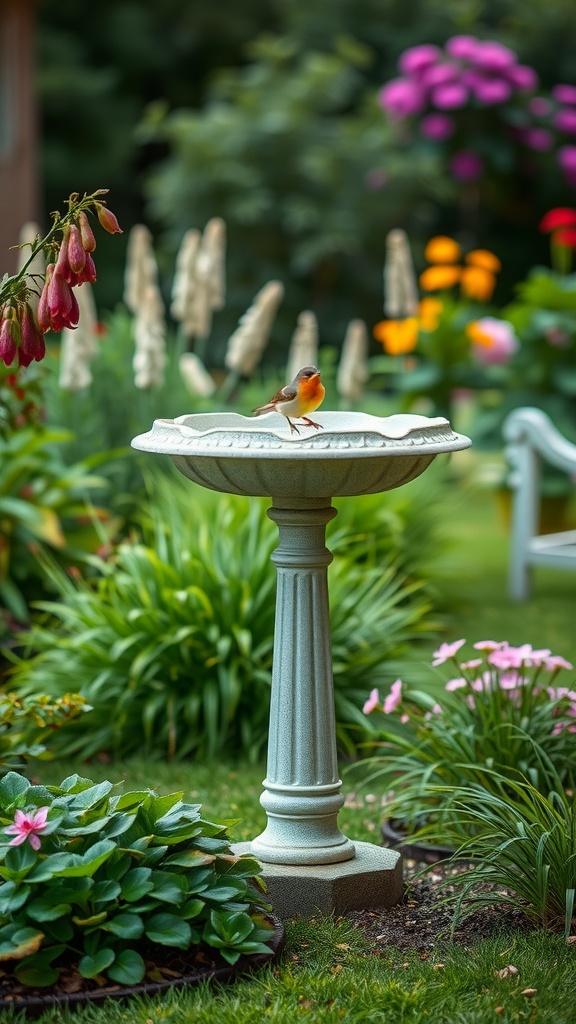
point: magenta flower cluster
(437, 87)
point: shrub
(44, 505)
(26, 722)
(95, 880)
(172, 646)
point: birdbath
(308, 863)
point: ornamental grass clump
(101, 884)
(520, 847)
(502, 711)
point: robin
(303, 395)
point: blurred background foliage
(266, 114)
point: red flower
(565, 236)
(560, 217)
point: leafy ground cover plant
(172, 646)
(502, 710)
(98, 880)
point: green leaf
(193, 908)
(45, 909)
(23, 942)
(12, 786)
(128, 968)
(125, 925)
(193, 859)
(169, 930)
(90, 966)
(168, 887)
(12, 896)
(72, 865)
(92, 921)
(136, 883)
(104, 891)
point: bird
(303, 395)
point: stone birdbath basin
(307, 862)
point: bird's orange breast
(311, 391)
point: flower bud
(59, 296)
(32, 345)
(8, 344)
(107, 219)
(86, 233)
(76, 252)
(63, 268)
(43, 312)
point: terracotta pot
(395, 836)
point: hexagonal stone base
(373, 878)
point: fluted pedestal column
(302, 788)
(307, 863)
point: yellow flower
(477, 283)
(429, 311)
(434, 279)
(485, 259)
(442, 249)
(397, 336)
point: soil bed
(421, 920)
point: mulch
(422, 920)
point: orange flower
(485, 259)
(397, 336)
(434, 279)
(442, 249)
(477, 335)
(477, 283)
(429, 311)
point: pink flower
(489, 645)
(567, 158)
(437, 127)
(445, 652)
(449, 96)
(493, 56)
(439, 75)
(556, 662)
(500, 341)
(372, 703)
(565, 121)
(522, 77)
(455, 684)
(466, 165)
(564, 93)
(510, 680)
(539, 106)
(462, 47)
(26, 826)
(492, 90)
(538, 138)
(474, 663)
(401, 98)
(416, 58)
(393, 699)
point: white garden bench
(531, 439)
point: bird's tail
(264, 408)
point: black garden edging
(395, 837)
(205, 965)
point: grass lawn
(328, 972)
